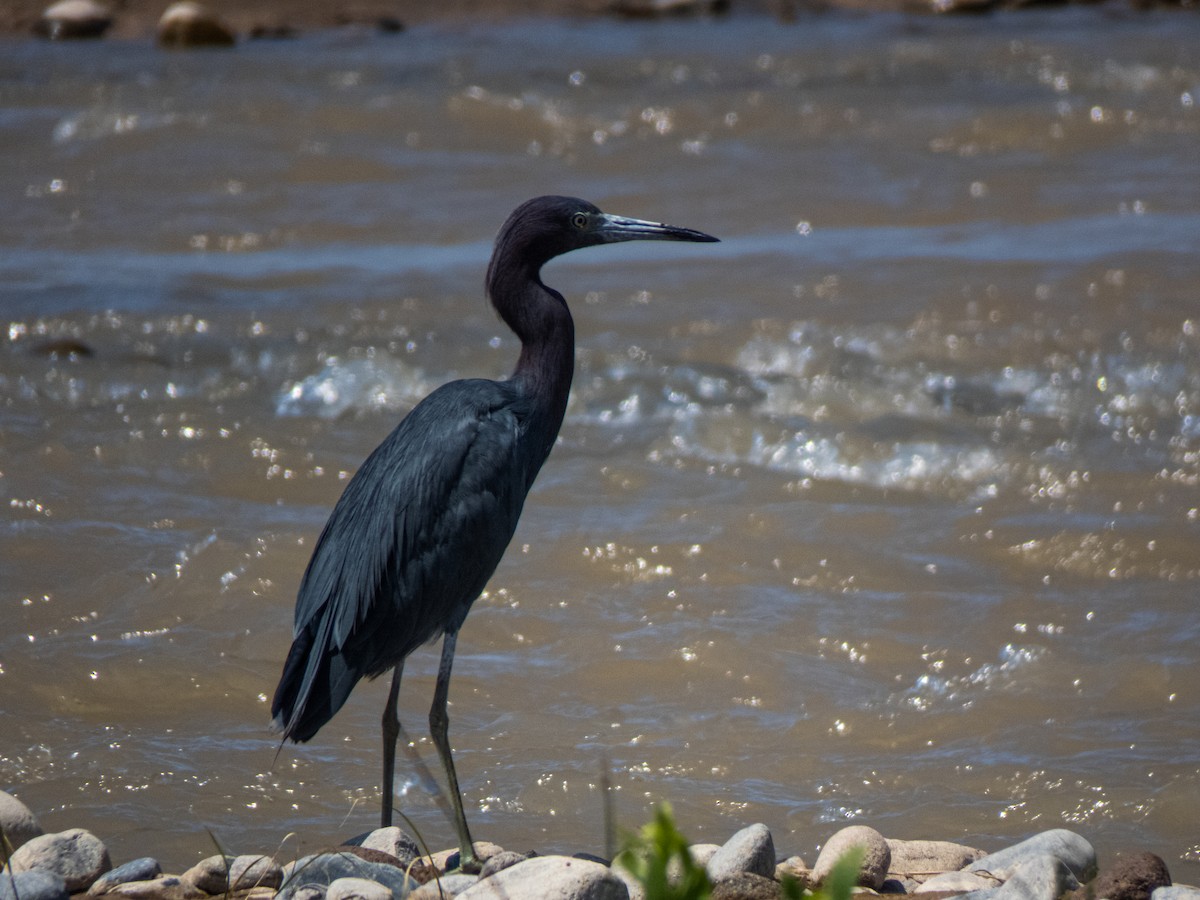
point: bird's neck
(540, 318)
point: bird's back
(411, 543)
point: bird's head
(545, 227)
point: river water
(884, 510)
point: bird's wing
(419, 529)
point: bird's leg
(439, 725)
(391, 731)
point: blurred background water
(883, 510)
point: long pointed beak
(612, 229)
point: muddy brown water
(884, 510)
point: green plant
(838, 886)
(658, 857)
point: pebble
(559, 877)
(143, 869)
(371, 866)
(1042, 877)
(747, 886)
(325, 868)
(16, 821)
(189, 24)
(749, 850)
(164, 887)
(33, 885)
(877, 856)
(392, 840)
(73, 19)
(77, 856)
(915, 861)
(1176, 892)
(498, 862)
(1133, 876)
(447, 860)
(357, 889)
(444, 886)
(1074, 851)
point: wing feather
(409, 546)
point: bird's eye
(579, 220)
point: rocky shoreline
(387, 864)
(142, 19)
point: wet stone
(749, 850)
(16, 821)
(34, 885)
(189, 24)
(73, 20)
(143, 869)
(877, 856)
(75, 855)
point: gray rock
(211, 874)
(76, 855)
(955, 881)
(1041, 878)
(17, 823)
(306, 892)
(189, 24)
(325, 868)
(550, 878)
(702, 853)
(142, 869)
(877, 856)
(165, 887)
(1176, 892)
(73, 19)
(747, 886)
(795, 868)
(392, 840)
(637, 891)
(447, 860)
(445, 886)
(34, 885)
(749, 850)
(1076, 853)
(250, 870)
(501, 861)
(357, 889)
(921, 860)
(221, 874)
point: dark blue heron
(423, 524)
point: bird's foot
(470, 865)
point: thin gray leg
(439, 730)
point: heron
(424, 522)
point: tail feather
(311, 689)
